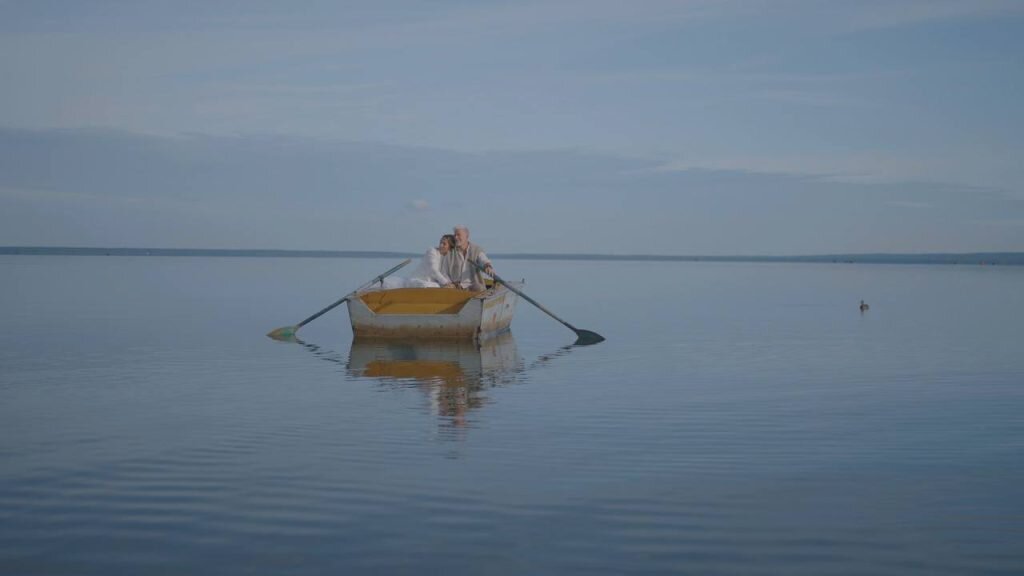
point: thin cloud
(811, 98)
(879, 15)
(75, 187)
(908, 204)
(952, 168)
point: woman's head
(446, 243)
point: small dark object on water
(863, 306)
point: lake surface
(740, 418)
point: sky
(655, 127)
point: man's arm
(484, 262)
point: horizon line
(1006, 258)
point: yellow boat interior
(417, 300)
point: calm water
(741, 418)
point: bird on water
(863, 306)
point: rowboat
(432, 313)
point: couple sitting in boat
(449, 265)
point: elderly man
(460, 268)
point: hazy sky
(683, 127)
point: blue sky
(587, 126)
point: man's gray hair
(457, 228)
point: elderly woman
(430, 271)
(430, 274)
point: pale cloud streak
(117, 189)
(887, 14)
(959, 168)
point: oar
(583, 337)
(288, 332)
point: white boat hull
(481, 317)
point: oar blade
(287, 333)
(586, 338)
(283, 334)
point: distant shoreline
(974, 258)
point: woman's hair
(450, 238)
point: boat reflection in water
(453, 374)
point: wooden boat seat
(417, 300)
